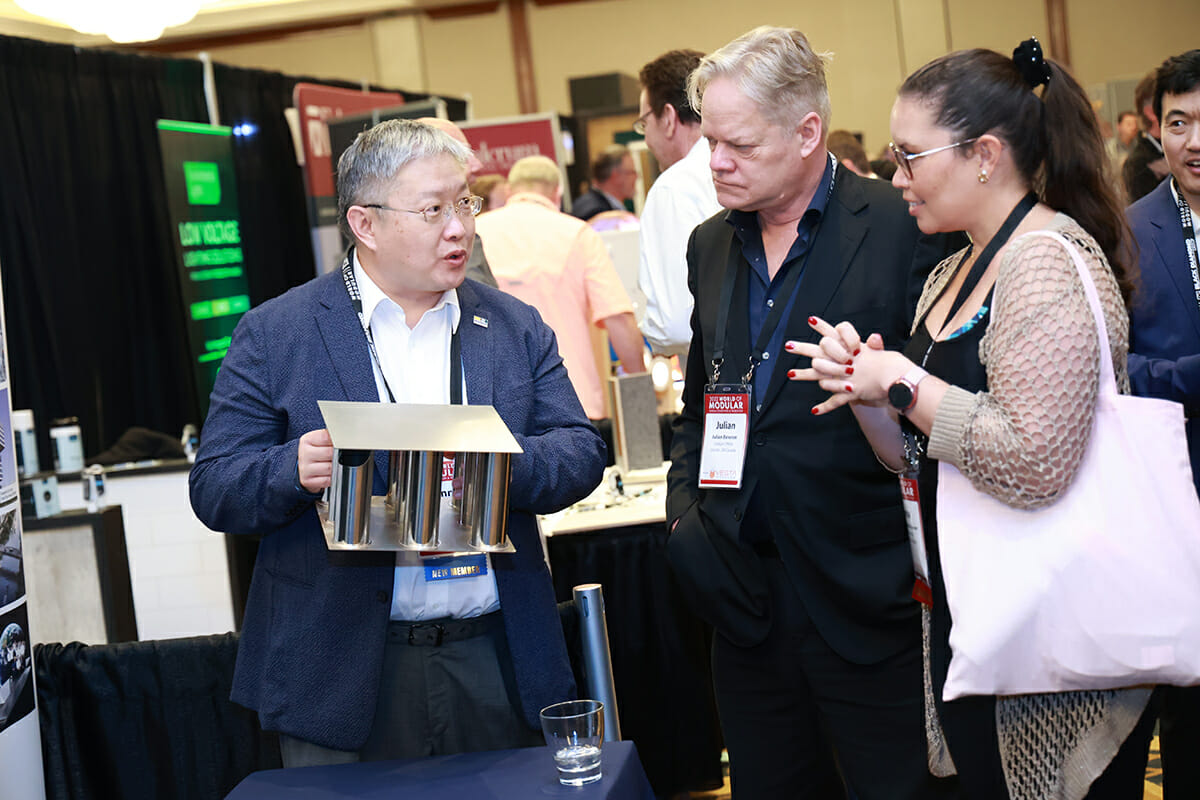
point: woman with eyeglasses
(1000, 378)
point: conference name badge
(911, 498)
(455, 568)
(726, 431)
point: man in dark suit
(1164, 339)
(614, 180)
(369, 655)
(804, 571)
(1144, 167)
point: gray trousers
(448, 687)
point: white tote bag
(1099, 590)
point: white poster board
(20, 736)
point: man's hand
(314, 458)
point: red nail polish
(849, 370)
(849, 362)
(814, 410)
(812, 320)
(856, 352)
(791, 373)
(788, 346)
(849, 388)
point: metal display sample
(597, 660)
(448, 470)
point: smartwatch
(902, 395)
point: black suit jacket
(835, 512)
(591, 203)
(1139, 179)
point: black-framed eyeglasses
(904, 159)
(440, 214)
(639, 124)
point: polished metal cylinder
(395, 490)
(350, 495)
(597, 662)
(489, 508)
(421, 476)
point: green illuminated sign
(203, 204)
(203, 181)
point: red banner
(500, 144)
(318, 104)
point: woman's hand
(851, 370)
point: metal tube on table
(489, 518)
(597, 663)
(350, 495)
(422, 498)
(395, 489)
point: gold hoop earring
(983, 176)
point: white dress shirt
(416, 363)
(680, 199)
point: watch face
(900, 395)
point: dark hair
(609, 159)
(1055, 140)
(845, 146)
(665, 81)
(1143, 95)
(1121, 117)
(883, 168)
(1177, 75)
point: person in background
(477, 266)
(850, 153)
(1010, 343)
(560, 266)
(680, 199)
(1164, 340)
(614, 180)
(370, 655)
(493, 189)
(803, 566)
(1144, 166)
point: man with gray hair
(379, 655)
(787, 534)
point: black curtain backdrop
(95, 324)
(275, 232)
(94, 320)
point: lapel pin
(480, 321)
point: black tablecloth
(145, 720)
(497, 775)
(660, 652)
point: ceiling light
(119, 20)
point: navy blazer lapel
(842, 231)
(349, 356)
(479, 363)
(1172, 252)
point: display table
(660, 650)
(496, 775)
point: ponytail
(1076, 175)
(1055, 141)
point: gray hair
(369, 164)
(776, 68)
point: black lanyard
(981, 264)
(1189, 236)
(783, 298)
(989, 252)
(456, 367)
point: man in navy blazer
(1164, 338)
(316, 658)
